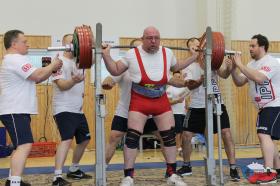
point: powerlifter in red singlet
(149, 65)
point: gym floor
(151, 155)
(152, 175)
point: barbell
(82, 45)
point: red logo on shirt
(258, 99)
(26, 67)
(265, 68)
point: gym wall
(175, 19)
(119, 18)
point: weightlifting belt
(152, 91)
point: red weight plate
(77, 30)
(202, 46)
(218, 45)
(88, 47)
(218, 49)
(215, 51)
(90, 43)
(85, 34)
(85, 63)
(81, 45)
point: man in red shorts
(148, 66)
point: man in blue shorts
(68, 93)
(262, 75)
(18, 99)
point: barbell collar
(67, 48)
(232, 52)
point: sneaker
(185, 171)
(8, 183)
(263, 178)
(77, 175)
(176, 180)
(267, 178)
(61, 182)
(253, 179)
(127, 181)
(234, 175)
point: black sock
(232, 166)
(170, 168)
(129, 172)
(187, 164)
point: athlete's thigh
(165, 121)
(136, 121)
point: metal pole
(218, 112)
(210, 161)
(100, 168)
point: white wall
(174, 18)
(252, 17)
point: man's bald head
(149, 30)
(151, 39)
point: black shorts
(195, 120)
(72, 124)
(268, 122)
(179, 121)
(18, 127)
(120, 124)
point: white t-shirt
(68, 100)
(125, 93)
(197, 97)
(153, 64)
(175, 93)
(266, 94)
(17, 93)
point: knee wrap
(168, 137)
(132, 138)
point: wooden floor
(147, 156)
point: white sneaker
(127, 181)
(176, 180)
